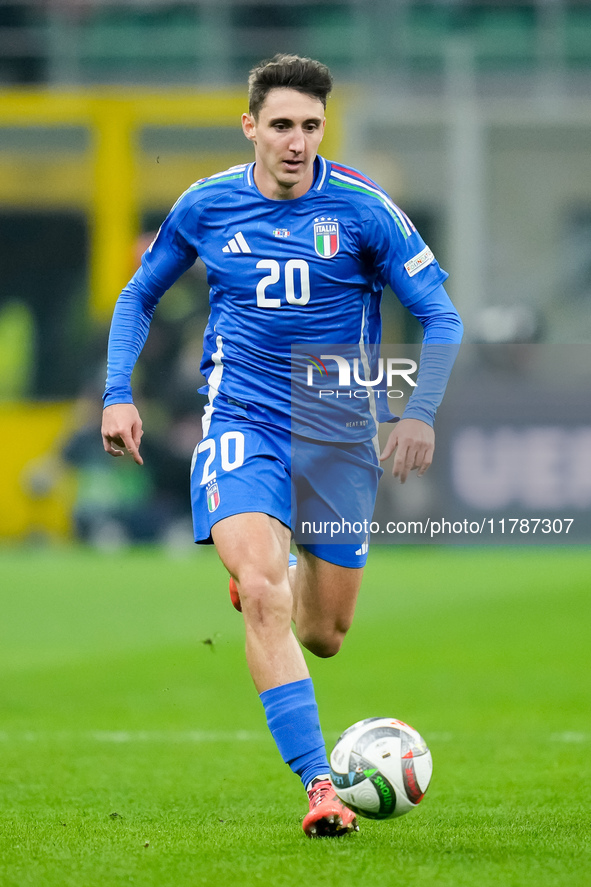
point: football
(380, 768)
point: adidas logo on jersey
(364, 548)
(238, 244)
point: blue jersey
(282, 272)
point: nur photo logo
(359, 369)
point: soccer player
(297, 250)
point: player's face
(286, 136)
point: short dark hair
(287, 72)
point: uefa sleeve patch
(418, 262)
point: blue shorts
(324, 492)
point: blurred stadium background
(474, 115)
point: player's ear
(249, 127)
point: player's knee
(263, 599)
(323, 644)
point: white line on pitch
(137, 736)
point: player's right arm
(122, 430)
(168, 257)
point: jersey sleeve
(435, 366)
(169, 256)
(403, 260)
(399, 254)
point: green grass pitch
(133, 748)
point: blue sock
(292, 716)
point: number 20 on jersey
(295, 280)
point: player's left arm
(413, 438)
(413, 442)
(403, 260)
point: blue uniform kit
(287, 274)
(298, 251)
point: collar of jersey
(321, 168)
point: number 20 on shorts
(231, 454)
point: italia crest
(326, 237)
(213, 495)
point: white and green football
(381, 768)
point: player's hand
(413, 442)
(122, 430)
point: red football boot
(234, 596)
(328, 816)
